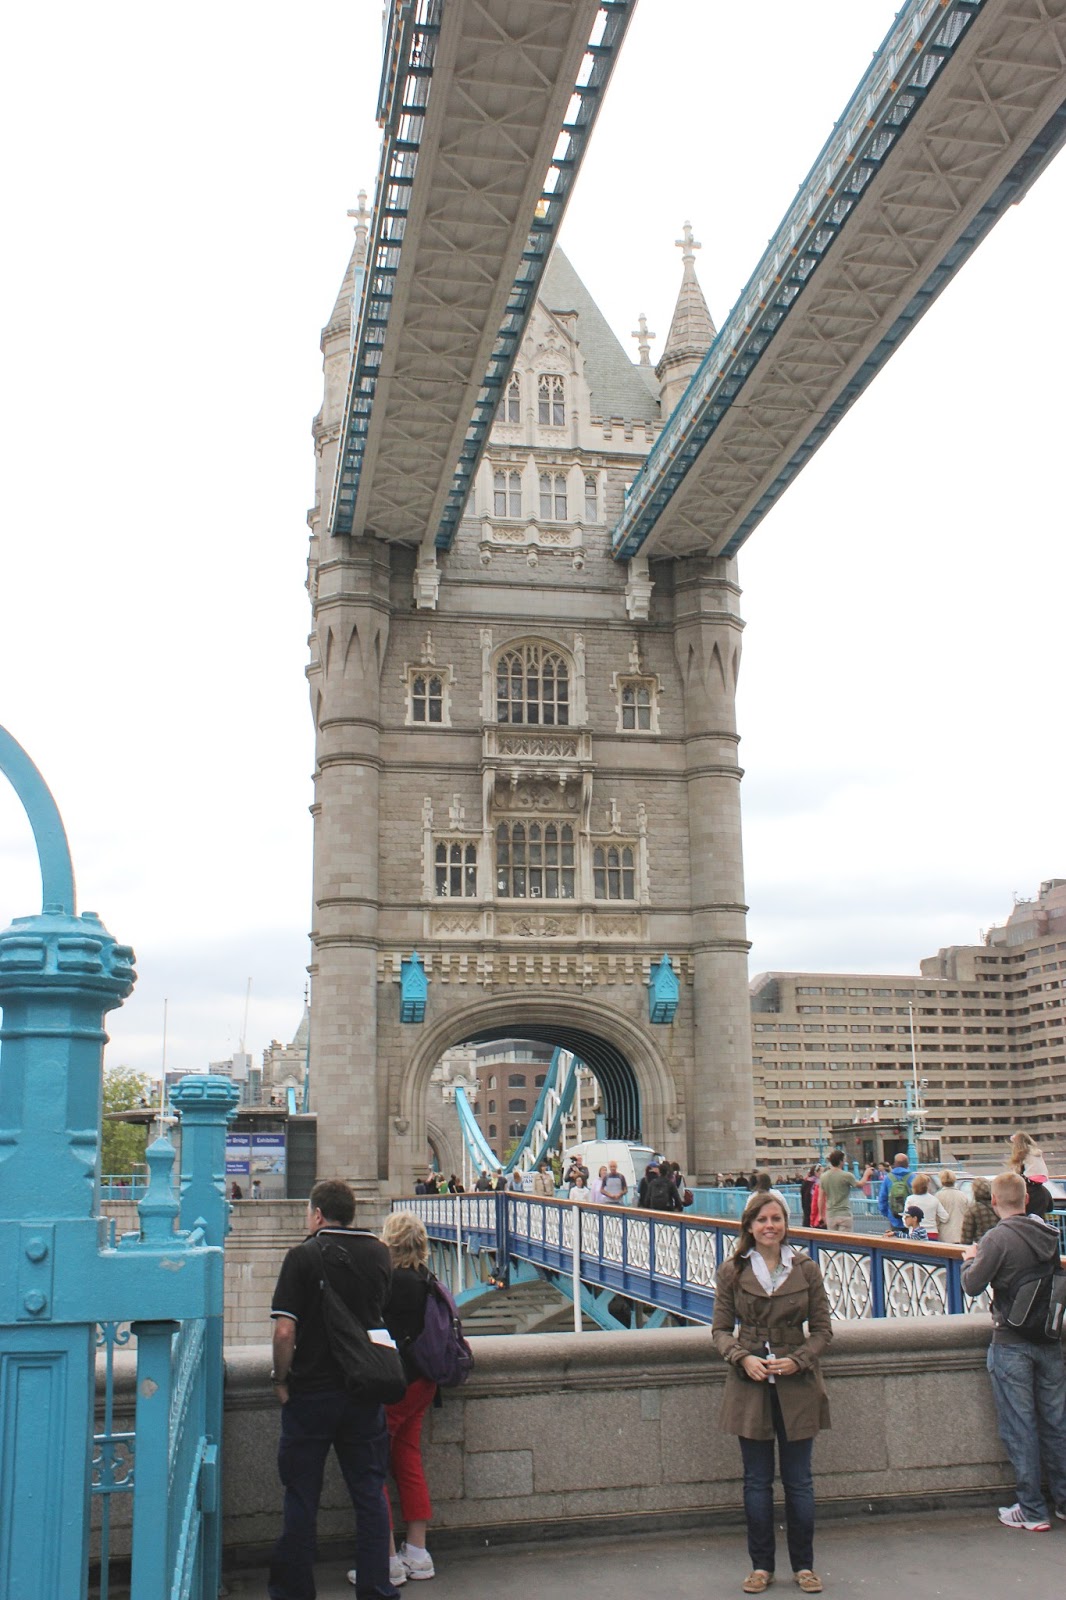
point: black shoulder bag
(373, 1373)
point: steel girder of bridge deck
(962, 107)
(486, 106)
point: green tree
(122, 1146)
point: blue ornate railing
(671, 1262)
(69, 1292)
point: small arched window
(551, 401)
(427, 697)
(553, 497)
(516, 1105)
(517, 1080)
(506, 494)
(511, 405)
(613, 872)
(533, 686)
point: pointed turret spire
(345, 307)
(692, 331)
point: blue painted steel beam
(478, 1147)
(403, 101)
(924, 36)
(566, 1096)
(1013, 188)
(544, 229)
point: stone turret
(692, 332)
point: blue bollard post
(59, 976)
(207, 1103)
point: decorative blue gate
(66, 1286)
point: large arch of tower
(526, 766)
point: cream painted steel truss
(962, 107)
(486, 105)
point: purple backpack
(440, 1352)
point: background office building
(988, 1035)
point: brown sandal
(809, 1581)
(757, 1582)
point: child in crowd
(1027, 1159)
(914, 1217)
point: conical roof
(616, 384)
(303, 1033)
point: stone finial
(644, 338)
(429, 655)
(361, 217)
(687, 244)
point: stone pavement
(949, 1555)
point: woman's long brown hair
(745, 1238)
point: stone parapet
(584, 1433)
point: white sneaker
(417, 1563)
(397, 1572)
(1014, 1517)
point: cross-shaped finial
(687, 244)
(643, 338)
(361, 218)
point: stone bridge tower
(527, 769)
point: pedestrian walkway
(927, 1556)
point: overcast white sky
(174, 198)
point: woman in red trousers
(405, 1313)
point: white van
(632, 1159)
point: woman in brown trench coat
(763, 1297)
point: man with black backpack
(1019, 1260)
(318, 1411)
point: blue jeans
(1029, 1386)
(312, 1424)
(798, 1484)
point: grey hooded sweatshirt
(1007, 1253)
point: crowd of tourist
(771, 1324)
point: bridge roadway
(939, 1555)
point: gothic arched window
(591, 498)
(535, 860)
(551, 401)
(506, 494)
(638, 707)
(511, 404)
(427, 697)
(553, 496)
(613, 872)
(533, 686)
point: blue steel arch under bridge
(574, 1047)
